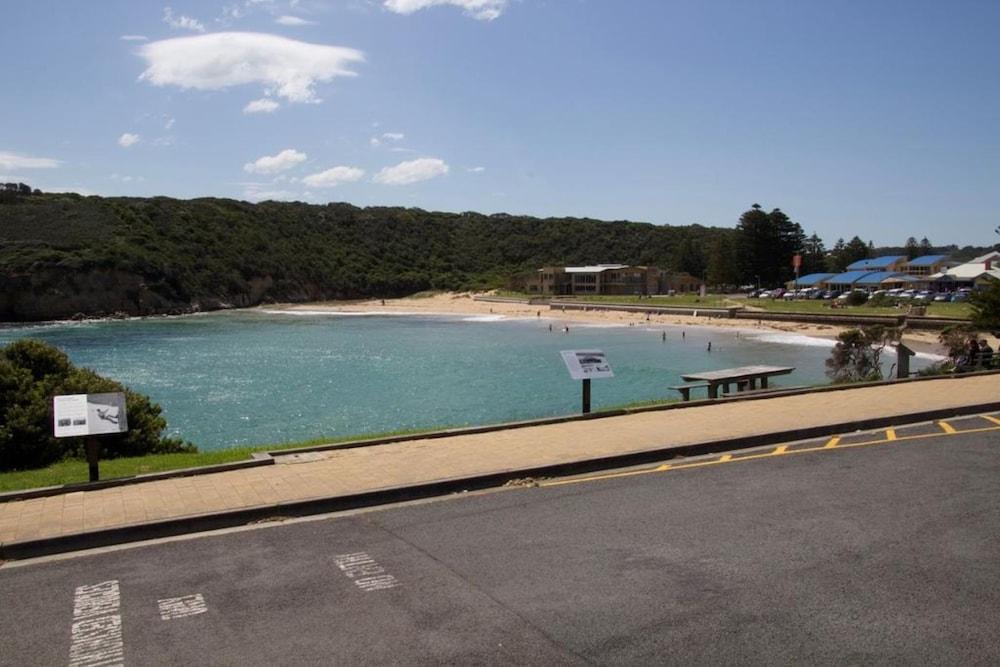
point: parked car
(943, 296)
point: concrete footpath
(320, 481)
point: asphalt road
(873, 553)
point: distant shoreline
(463, 304)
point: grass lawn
(76, 471)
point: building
(978, 273)
(927, 265)
(884, 263)
(617, 279)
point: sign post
(88, 416)
(796, 264)
(586, 365)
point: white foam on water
(340, 313)
(815, 341)
(484, 318)
(792, 339)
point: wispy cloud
(293, 21)
(263, 105)
(128, 139)
(386, 137)
(412, 171)
(14, 161)
(224, 59)
(334, 177)
(484, 10)
(476, 170)
(133, 38)
(272, 164)
(181, 22)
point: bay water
(251, 377)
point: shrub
(31, 373)
(857, 355)
(856, 298)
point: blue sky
(872, 118)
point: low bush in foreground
(31, 374)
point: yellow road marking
(890, 434)
(833, 443)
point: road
(880, 548)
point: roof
(813, 279)
(848, 278)
(927, 260)
(875, 278)
(903, 278)
(597, 268)
(967, 271)
(993, 254)
(876, 262)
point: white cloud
(169, 123)
(272, 164)
(263, 105)
(484, 10)
(223, 59)
(14, 161)
(386, 137)
(293, 20)
(125, 178)
(333, 177)
(128, 139)
(181, 22)
(412, 171)
(477, 170)
(133, 38)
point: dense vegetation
(31, 373)
(91, 254)
(64, 254)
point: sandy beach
(464, 304)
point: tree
(31, 373)
(689, 257)
(765, 245)
(986, 308)
(858, 353)
(813, 256)
(925, 247)
(911, 248)
(722, 265)
(855, 250)
(835, 260)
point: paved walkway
(341, 472)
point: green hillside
(64, 254)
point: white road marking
(186, 605)
(367, 574)
(97, 626)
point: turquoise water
(250, 377)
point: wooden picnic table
(745, 377)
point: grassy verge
(75, 471)
(804, 306)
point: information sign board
(587, 364)
(89, 414)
